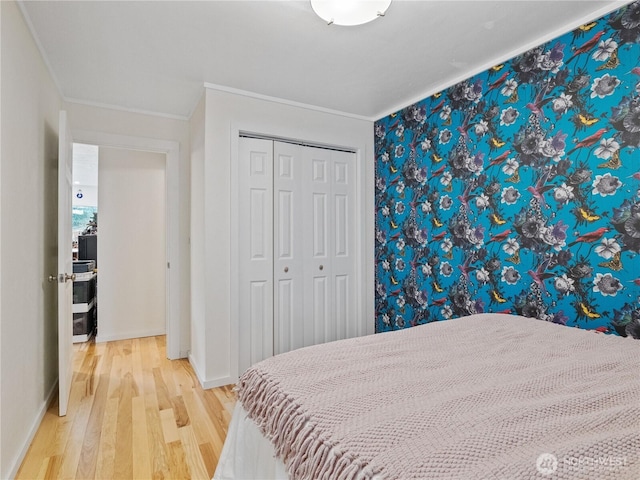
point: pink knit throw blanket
(482, 397)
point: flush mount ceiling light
(349, 12)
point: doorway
(170, 151)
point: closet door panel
(343, 259)
(288, 241)
(255, 276)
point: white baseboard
(212, 383)
(33, 430)
(126, 336)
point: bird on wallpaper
(590, 237)
(499, 159)
(586, 46)
(540, 274)
(589, 141)
(465, 197)
(538, 190)
(499, 237)
(465, 268)
(437, 108)
(498, 82)
(539, 101)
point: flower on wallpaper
(426, 270)
(556, 235)
(482, 275)
(400, 187)
(554, 147)
(446, 312)
(400, 264)
(605, 185)
(608, 248)
(400, 208)
(445, 202)
(399, 151)
(426, 206)
(511, 166)
(509, 116)
(399, 321)
(446, 245)
(445, 136)
(400, 301)
(509, 87)
(425, 144)
(561, 104)
(604, 86)
(446, 179)
(445, 113)
(446, 269)
(482, 201)
(606, 284)
(510, 275)
(605, 50)
(607, 148)
(481, 128)
(510, 195)
(511, 246)
(564, 285)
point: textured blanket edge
(283, 421)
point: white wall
(131, 244)
(225, 114)
(30, 106)
(198, 323)
(118, 122)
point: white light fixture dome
(349, 12)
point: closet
(297, 247)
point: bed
(489, 396)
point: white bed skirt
(247, 454)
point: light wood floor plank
(132, 414)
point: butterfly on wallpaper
(436, 158)
(437, 223)
(497, 68)
(437, 287)
(613, 163)
(587, 311)
(496, 296)
(515, 178)
(614, 264)
(515, 258)
(496, 220)
(586, 119)
(584, 214)
(496, 142)
(587, 26)
(513, 98)
(611, 63)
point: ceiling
(155, 56)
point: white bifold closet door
(297, 260)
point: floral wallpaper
(518, 190)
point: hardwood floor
(132, 414)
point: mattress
(247, 454)
(485, 396)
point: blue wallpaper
(518, 190)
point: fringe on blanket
(305, 453)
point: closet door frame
(362, 324)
